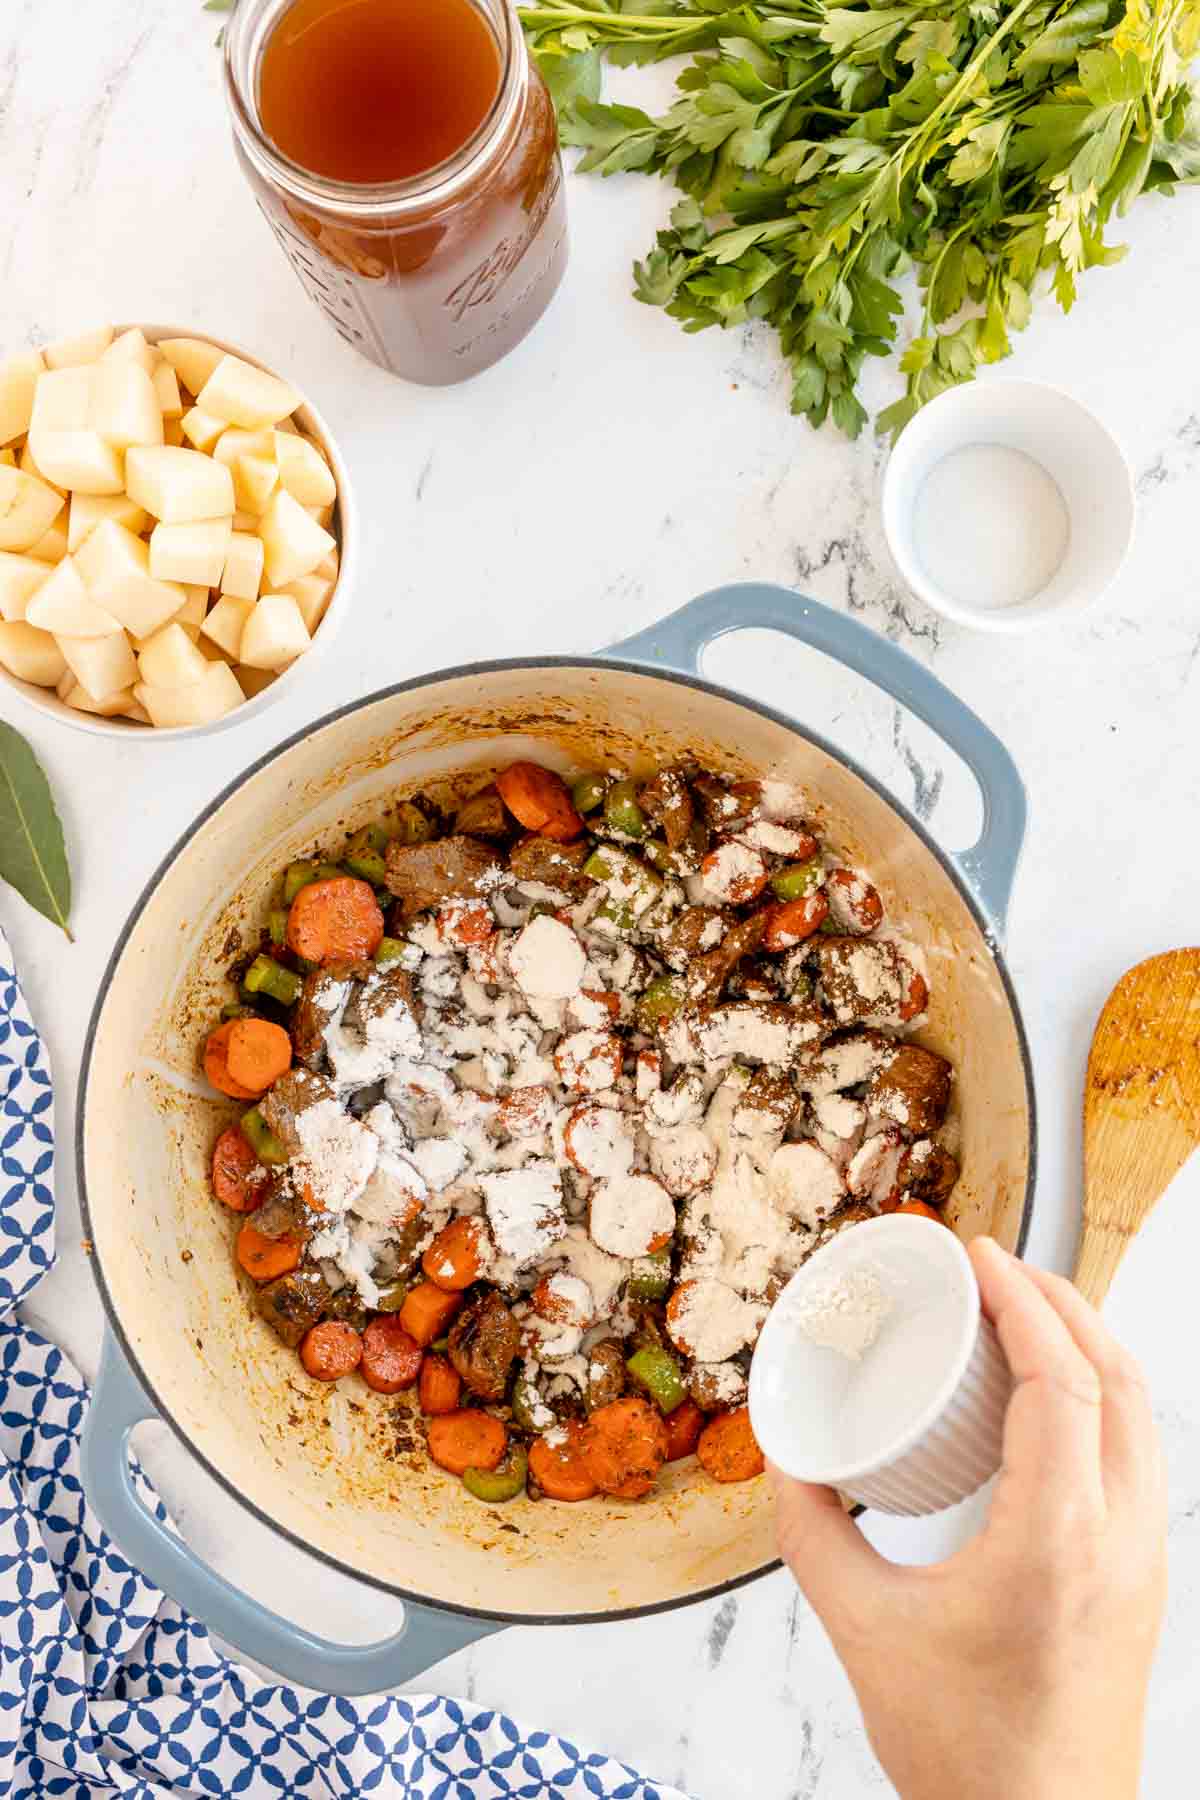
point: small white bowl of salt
(1007, 504)
(877, 1374)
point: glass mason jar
(437, 276)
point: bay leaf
(33, 855)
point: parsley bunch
(822, 150)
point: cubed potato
(328, 567)
(131, 347)
(234, 442)
(246, 396)
(253, 681)
(69, 353)
(103, 665)
(63, 605)
(173, 434)
(245, 521)
(28, 508)
(79, 460)
(9, 456)
(274, 634)
(27, 461)
(62, 401)
(213, 652)
(192, 360)
(312, 594)
(20, 578)
(225, 623)
(242, 576)
(138, 713)
(87, 511)
(322, 514)
(294, 543)
(215, 694)
(113, 707)
(201, 429)
(255, 479)
(18, 381)
(170, 659)
(194, 607)
(303, 471)
(30, 654)
(51, 547)
(115, 566)
(178, 485)
(124, 406)
(166, 391)
(289, 424)
(193, 553)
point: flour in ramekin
(845, 1315)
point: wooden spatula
(1141, 1107)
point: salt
(990, 526)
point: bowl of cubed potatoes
(175, 531)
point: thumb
(839, 1573)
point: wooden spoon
(1141, 1107)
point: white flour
(845, 1315)
(990, 526)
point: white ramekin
(799, 1390)
(345, 529)
(1073, 447)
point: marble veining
(600, 476)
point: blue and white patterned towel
(106, 1686)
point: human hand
(1016, 1670)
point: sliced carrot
(919, 1207)
(453, 1260)
(559, 1468)
(427, 1311)
(916, 998)
(330, 1350)
(858, 898)
(335, 921)
(216, 1064)
(745, 884)
(459, 1441)
(684, 1426)
(439, 1389)
(728, 1449)
(794, 920)
(258, 1053)
(267, 1258)
(624, 1447)
(525, 1111)
(465, 922)
(610, 1002)
(676, 1307)
(539, 800)
(391, 1359)
(238, 1178)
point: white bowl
(344, 529)
(1073, 447)
(917, 1423)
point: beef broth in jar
(405, 154)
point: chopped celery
(628, 879)
(527, 1404)
(621, 810)
(657, 1372)
(390, 950)
(621, 918)
(234, 1009)
(659, 856)
(588, 793)
(794, 882)
(660, 1001)
(412, 825)
(266, 976)
(277, 925)
(392, 1298)
(328, 871)
(261, 1139)
(364, 856)
(502, 1483)
(650, 1276)
(297, 875)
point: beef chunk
(484, 1340)
(291, 1095)
(282, 1213)
(606, 1374)
(483, 815)
(727, 805)
(668, 800)
(707, 974)
(845, 1061)
(688, 932)
(423, 875)
(380, 993)
(912, 1089)
(554, 865)
(294, 1303)
(715, 1387)
(928, 1172)
(322, 996)
(773, 1096)
(864, 981)
(758, 1030)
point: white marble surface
(603, 474)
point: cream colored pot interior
(337, 1467)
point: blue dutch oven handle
(679, 640)
(118, 1404)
